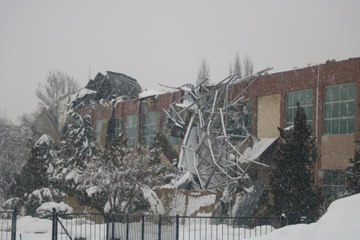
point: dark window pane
(327, 127)
(351, 108)
(327, 177)
(335, 177)
(309, 113)
(302, 97)
(343, 109)
(335, 126)
(335, 93)
(328, 94)
(290, 99)
(341, 177)
(327, 110)
(335, 110)
(309, 97)
(343, 126)
(351, 125)
(351, 91)
(343, 92)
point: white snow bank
(341, 221)
(29, 224)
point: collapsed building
(221, 133)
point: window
(339, 109)
(131, 129)
(304, 98)
(334, 183)
(117, 128)
(148, 128)
(98, 127)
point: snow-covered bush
(46, 209)
(40, 196)
(15, 204)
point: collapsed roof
(217, 146)
(109, 86)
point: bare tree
(56, 85)
(204, 73)
(242, 69)
(237, 69)
(248, 66)
(15, 142)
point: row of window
(339, 115)
(149, 129)
(339, 108)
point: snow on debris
(156, 206)
(253, 152)
(182, 181)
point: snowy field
(340, 222)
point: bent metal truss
(216, 139)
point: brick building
(329, 93)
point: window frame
(307, 105)
(339, 109)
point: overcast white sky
(164, 41)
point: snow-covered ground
(339, 222)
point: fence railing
(8, 225)
(158, 227)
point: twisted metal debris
(214, 132)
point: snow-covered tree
(34, 173)
(77, 148)
(294, 192)
(353, 174)
(114, 180)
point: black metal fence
(158, 227)
(8, 225)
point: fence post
(177, 227)
(13, 224)
(159, 227)
(127, 226)
(142, 227)
(112, 226)
(54, 225)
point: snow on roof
(149, 93)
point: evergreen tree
(293, 189)
(34, 174)
(353, 174)
(77, 146)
